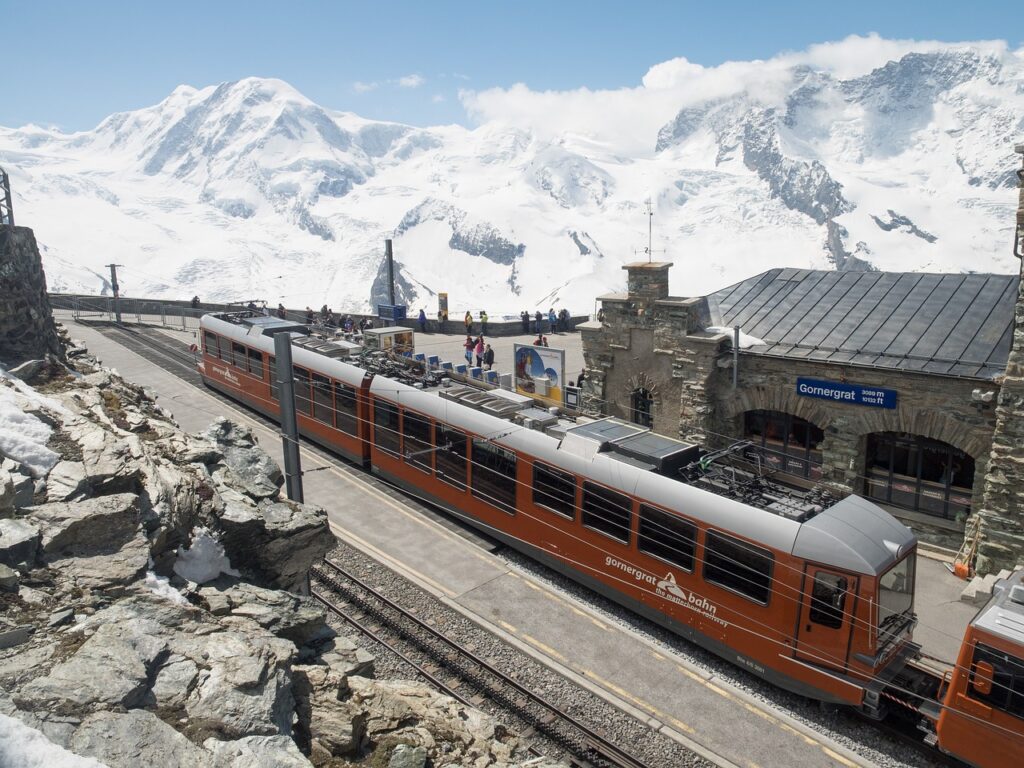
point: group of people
(483, 352)
(556, 322)
(327, 318)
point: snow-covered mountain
(250, 190)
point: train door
(826, 616)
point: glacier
(249, 190)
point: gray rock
(11, 636)
(111, 458)
(405, 756)
(332, 726)
(174, 682)
(250, 469)
(346, 658)
(66, 481)
(24, 487)
(108, 572)
(275, 543)
(28, 370)
(8, 579)
(299, 619)
(101, 525)
(134, 739)
(6, 494)
(60, 618)
(19, 542)
(256, 752)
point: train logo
(227, 375)
(670, 590)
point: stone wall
(27, 330)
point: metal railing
(142, 311)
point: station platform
(708, 712)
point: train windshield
(895, 598)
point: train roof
(853, 534)
(1003, 616)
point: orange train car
(815, 596)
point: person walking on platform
(468, 320)
(478, 349)
(525, 317)
(552, 319)
(309, 316)
(483, 322)
(538, 318)
(442, 321)
(489, 357)
(469, 346)
(281, 313)
(423, 321)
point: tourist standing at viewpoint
(478, 349)
(489, 357)
(469, 346)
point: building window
(790, 443)
(641, 406)
(738, 566)
(917, 473)
(494, 475)
(607, 511)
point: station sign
(840, 392)
(391, 311)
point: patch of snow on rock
(26, 747)
(161, 587)
(204, 561)
(23, 437)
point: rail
(595, 745)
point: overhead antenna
(649, 250)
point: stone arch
(764, 399)
(936, 425)
(642, 381)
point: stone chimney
(996, 531)
(648, 280)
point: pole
(735, 356)
(391, 275)
(116, 289)
(650, 230)
(1018, 240)
(289, 423)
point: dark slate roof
(959, 325)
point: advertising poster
(537, 369)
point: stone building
(905, 388)
(27, 330)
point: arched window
(915, 472)
(641, 405)
(790, 443)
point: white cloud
(628, 119)
(437, 98)
(359, 87)
(411, 81)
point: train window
(240, 355)
(210, 344)
(607, 511)
(450, 457)
(256, 363)
(345, 409)
(1006, 691)
(303, 403)
(418, 446)
(554, 490)
(667, 537)
(493, 475)
(828, 599)
(385, 427)
(323, 403)
(738, 566)
(272, 369)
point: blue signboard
(391, 311)
(855, 394)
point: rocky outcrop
(144, 616)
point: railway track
(470, 678)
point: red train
(814, 595)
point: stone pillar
(648, 280)
(998, 531)
(27, 331)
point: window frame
(1007, 696)
(380, 407)
(641, 538)
(255, 362)
(503, 494)
(710, 538)
(207, 336)
(298, 379)
(590, 489)
(424, 461)
(561, 475)
(346, 417)
(321, 384)
(442, 460)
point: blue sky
(70, 64)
